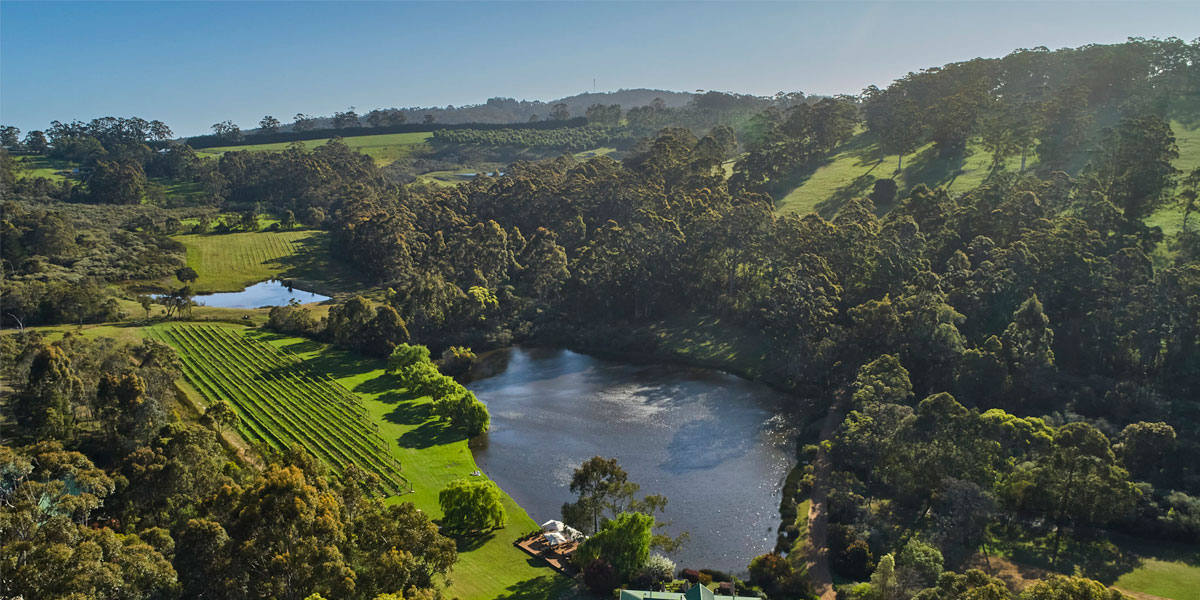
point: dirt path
(818, 517)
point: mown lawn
(229, 262)
(1176, 580)
(384, 148)
(432, 455)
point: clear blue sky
(192, 64)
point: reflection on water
(266, 293)
(712, 443)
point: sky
(192, 64)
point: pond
(715, 445)
(266, 293)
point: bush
(718, 576)
(600, 577)
(855, 561)
(658, 568)
(472, 505)
(769, 571)
(691, 575)
(457, 360)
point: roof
(698, 592)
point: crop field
(384, 148)
(230, 262)
(281, 402)
(434, 454)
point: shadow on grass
(432, 433)
(858, 188)
(408, 413)
(313, 265)
(546, 587)
(387, 385)
(932, 169)
(466, 542)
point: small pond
(715, 445)
(266, 293)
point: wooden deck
(558, 558)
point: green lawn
(432, 455)
(384, 148)
(41, 166)
(231, 261)
(1176, 580)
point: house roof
(697, 592)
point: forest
(1007, 371)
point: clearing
(384, 148)
(229, 262)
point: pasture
(852, 170)
(384, 148)
(229, 262)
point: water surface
(714, 444)
(266, 293)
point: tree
(10, 137)
(559, 112)
(228, 131)
(463, 410)
(882, 380)
(602, 485)
(269, 124)
(186, 275)
(1144, 447)
(918, 565)
(472, 506)
(344, 119)
(249, 220)
(36, 142)
(1028, 339)
(289, 220)
(1062, 587)
(884, 583)
(428, 119)
(623, 542)
(117, 182)
(220, 414)
(405, 355)
(46, 407)
(1133, 165)
(302, 122)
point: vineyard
(279, 401)
(567, 138)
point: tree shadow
(408, 413)
(542, 588)
(855, 189)
(466, 542)
(312, 267)
(432, 433)
(387, 385)
(932, 169)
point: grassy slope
(384, 148)
(231, 261)
(432, 455)
(851, 171)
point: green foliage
(623, 542)
(471, 506)
(572, 139)
(1059, 587)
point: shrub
(458, 359)
(705, 579)
(472, 505)
(658, 568)
(691, 575)
(718, 576)
(855, 561)
(769, 570)
(600, 577)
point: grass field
(41, 166)
(431, 455)
(852, 170)
(384, 148)
(230, 262)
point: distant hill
(509, 110)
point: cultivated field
(384, 148)
(434, 454)
(280, 401)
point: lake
(266, 293)
(715, 445)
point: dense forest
(1017, 364)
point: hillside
(853, 168)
